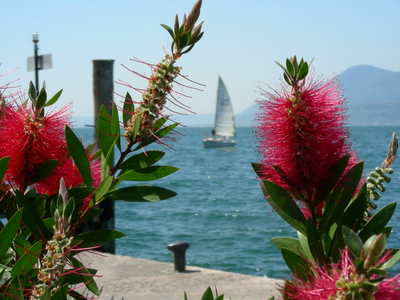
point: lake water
(220, 209)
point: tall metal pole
(103, 92)
(35, 39)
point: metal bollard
(179, 251)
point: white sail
(224, 117)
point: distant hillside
(372, 94)
(373, 98)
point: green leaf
(128, 109)
(303, 71)
(158, 135)
(88, 239)
(54, 99)
(25, 263)
(103, 189)
(32, 92)
(147, 174)
(141, 194)
(296, 264)
(392, 261)
(3, 166)
(340, 198)
(169, 29)
(288, 243)
(31, 217)
(354, 214)
(335, 173)
(208, 294)
(285, 206)
(43, 170)
(352, 241)
(257, 168)
(306, 251)
(104, 136)
(60, 294)
(42, 98)
(89, 280)
(378, 222)
(9, 231)
(289, 67)
(142, 160)
(78, 153)
(115, 131)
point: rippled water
(220, 209)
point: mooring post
(103, 92)
(179, 251)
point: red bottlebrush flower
(389, 289)
(72, 178)
(30, 141)
(323, 285)
(303, 135)
(330, 282)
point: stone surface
(142, 279)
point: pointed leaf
(89, 280)
(32, 92)
(305, 247)
(147, 174)
(104, 136)
(30, 216)
(43, 170)
(42, 98)
(158, 135)
(290, 67)
(296, 264)
(257, 168)
(141, 194)
(54, 99)
(303, 71)
(352, 241)
(285, 206)
(3, 166)
(115, 130)
(103, 189)
(9, 231)
(78, 154)
(208, 294)
(392, 261)
(335, 173)
(169, 29)
(291, 244)
(94, 238)
(128, 109)
(142, 160)
(378, 222)
(26, 262)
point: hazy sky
(241, 42)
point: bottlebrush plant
(313, 180)
(51, 184)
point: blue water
(220, 209)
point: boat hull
(218, 142)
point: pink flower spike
(303, 136)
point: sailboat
(224, 126)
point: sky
(242, 41)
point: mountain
(372, 97)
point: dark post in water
(103, 91)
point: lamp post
(35, 39)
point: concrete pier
(142, 279)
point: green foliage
(40, 242)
